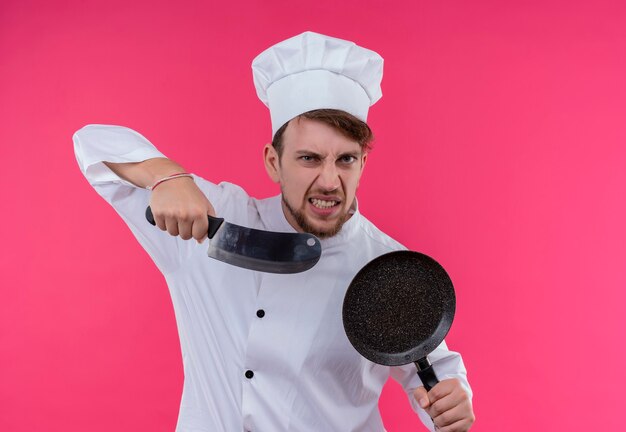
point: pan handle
(426, 373)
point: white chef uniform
(289, 369)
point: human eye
(308, 159)
(347, 159)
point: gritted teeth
(323, 204)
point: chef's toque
(312, 71)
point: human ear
(270, 157)
(363, 160)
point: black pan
(398, 309)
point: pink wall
(500, 151)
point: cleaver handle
(214, 222)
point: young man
(261, 351)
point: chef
(267, 352)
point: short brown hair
(347, 124)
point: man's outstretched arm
(178, 205)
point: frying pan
(398, 309)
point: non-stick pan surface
(399, 308)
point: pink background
(500, 152)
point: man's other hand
(448, 404)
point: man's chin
(321, 228)
(322, 231)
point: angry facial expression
(318, 172)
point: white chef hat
(312, 71)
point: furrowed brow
(355, 155)
(308, 153)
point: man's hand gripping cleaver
(253, 249)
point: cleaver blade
(254, 249)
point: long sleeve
(94, 144)
(447, 364)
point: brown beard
(308, 228)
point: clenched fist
(448, 404)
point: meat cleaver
(254, 249)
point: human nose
(328, 179)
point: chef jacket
(261, 352)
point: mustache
(332, 194)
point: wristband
(169, 177)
